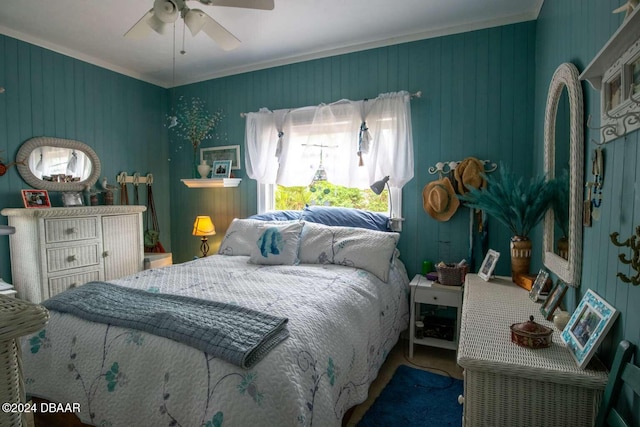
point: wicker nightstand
(424, 291)
(508, 385)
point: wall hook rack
(443, 168)
(631, 242)
(622, 123)
(135, 179)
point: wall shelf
(626, 35)
(212, 183)
(614, 72)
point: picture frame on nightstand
(588, 326)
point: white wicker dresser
(57, 248)
(508, 385)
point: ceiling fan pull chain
(182, 52)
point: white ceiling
(296, 30)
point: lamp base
(395, 224)
(204, 246)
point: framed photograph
(226, 152)
(614, 92)
(553, 300)
(72, 198)
(36, 199)
(588, 326)
(489, 263)
(221, 169)
(539, 285)
(635, 76)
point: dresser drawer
(64, 258)
(62, 283)
(435, 296)
(68, 230)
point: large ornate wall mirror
(56, 164)
(563, 159)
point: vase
(194, 170)
(520, 255)
(204, 169)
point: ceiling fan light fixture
(195, 19)
(156, 25)
(165, 10)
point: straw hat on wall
(439, 199)
(468, 173)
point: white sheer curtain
(391, 150)
(330, 134)
(263, 145)
(327, 135)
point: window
(331, 154)
(327, 194)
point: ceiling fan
(166, 12)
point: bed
(343, 291)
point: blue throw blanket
(238, 335)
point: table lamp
(203, 227)
(377, 187)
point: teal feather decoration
(518, 205)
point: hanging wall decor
(633, 243)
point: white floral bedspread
(343, 322)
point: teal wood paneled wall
(48, 94)
(575, 31)
(478, 91)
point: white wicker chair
(17, 318)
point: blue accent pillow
(277, 216)
(346, 217)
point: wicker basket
(17, 318)
(451, 274)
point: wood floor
(437, 360)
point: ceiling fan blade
(219, 34)
(246, 4)
(141, 28)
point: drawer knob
(73, 285)
(435, 298)
(72, 230)
(71, 258)
(105, 254)
(461, 399)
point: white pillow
(242, 234)
(356, 247)
(277, 244)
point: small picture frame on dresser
(488, 265)
(36, 199)
(539, 286)
(553, 300)
(588, 326)
(71, 198)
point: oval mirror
(565, 263)
(56, 164)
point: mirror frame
(568, 270)
(31, 144)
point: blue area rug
(416, 398)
